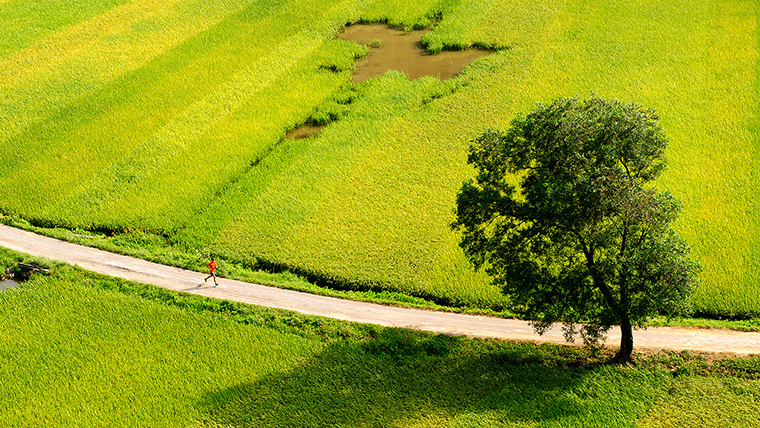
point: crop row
(171, 118)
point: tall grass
(80, 349)
(151, 148)
(403, 14)
(25, 23)
(459, 33)
(74, 354)
(170, 118)
(703, 402)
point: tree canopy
(564, 215)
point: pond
(402, 51)
(392, 49)
(8, 283)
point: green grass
(80, 349)
(74, 354)
(342, 189)
(704, 402)
(169, 119)
(26, 22)
(158, 249)
(209, 98)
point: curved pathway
(438, 322)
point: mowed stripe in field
(185, 133)
(26, 22)
(74, 62)
(101, 162)
(180, 166)
(68, 148)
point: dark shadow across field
(397, 379)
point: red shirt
(212, 266)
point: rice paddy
(80, 349)
(170, 119)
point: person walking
(212, 271)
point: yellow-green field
(80, 349)
(170, 118)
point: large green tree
(564, 215)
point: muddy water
(397, 50)
(303, 131)
(8, 283)
(403, 51)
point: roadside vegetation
(82, 349)
(156, 249)
(166, 123)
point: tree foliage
(564, 215)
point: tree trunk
(626, 341)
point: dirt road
(438, 322)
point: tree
(564, 215)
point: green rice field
(80, 349)
(170, 118)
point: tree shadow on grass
(399, 379)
